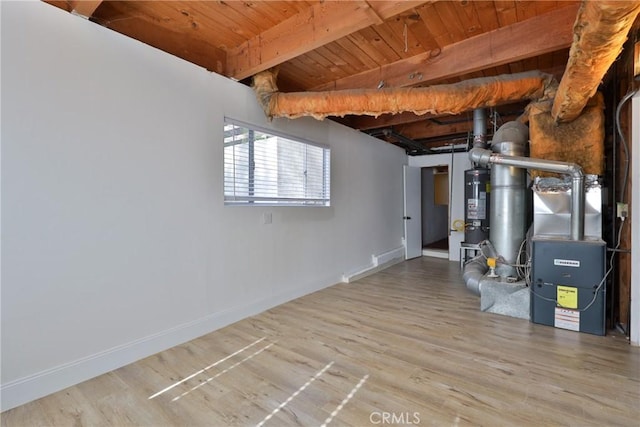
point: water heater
(477, 192)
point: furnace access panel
(567, 284)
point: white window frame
(240, 181)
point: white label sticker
(567, 319)
(476, 209)
(566, 262)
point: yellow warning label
(567, 297)
(488, 187)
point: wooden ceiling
(326, 45)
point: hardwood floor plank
(409, 341)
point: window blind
(262, 168)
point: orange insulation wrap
(443, 99)
(600, 31)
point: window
(265, 169)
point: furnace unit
(567, 283)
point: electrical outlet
(622, 210)
(267, 218)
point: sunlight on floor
(205, 369)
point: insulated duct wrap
(441, 99)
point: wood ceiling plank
(502, 46)
(307, 30)
(449, 16)
(468, 15)
(60, 4)
(387, 33)
(379, 44)
(526, 10)
(322, 60)
(256, 12)
(506, 11)
(357, 56)
(199, 20)
(85, 8)
(338, 56)
(279, 11)
(546, 6)
(516, 67)
(336, 60)
(368, 48)
(178, 44)
(394, 32)
(419, 31)
(530, 63)
(487, 15)
(389, 8)
(226, 19)
(303, 72)
(436, 28)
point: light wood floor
(408, 341)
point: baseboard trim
(378, 263)
(32, 387)
(435, 253)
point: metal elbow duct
(486, 157)
(473, 273)
(475, 269)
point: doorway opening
(435, 211)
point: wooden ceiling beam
(384, 120)
(84, 8)
(426, 129)
(323, 23)
(429, 129)
(542, 34)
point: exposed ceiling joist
(427, 129)
(384, 120)
(321, 24)
(544, 33)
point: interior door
(412, 212)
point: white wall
(457, 164)
(115, 240)
(635, 221)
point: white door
(412, 212)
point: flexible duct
(485, 157)
(475, 269)
(473, 273)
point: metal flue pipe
(485, 157)
(479, 128)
